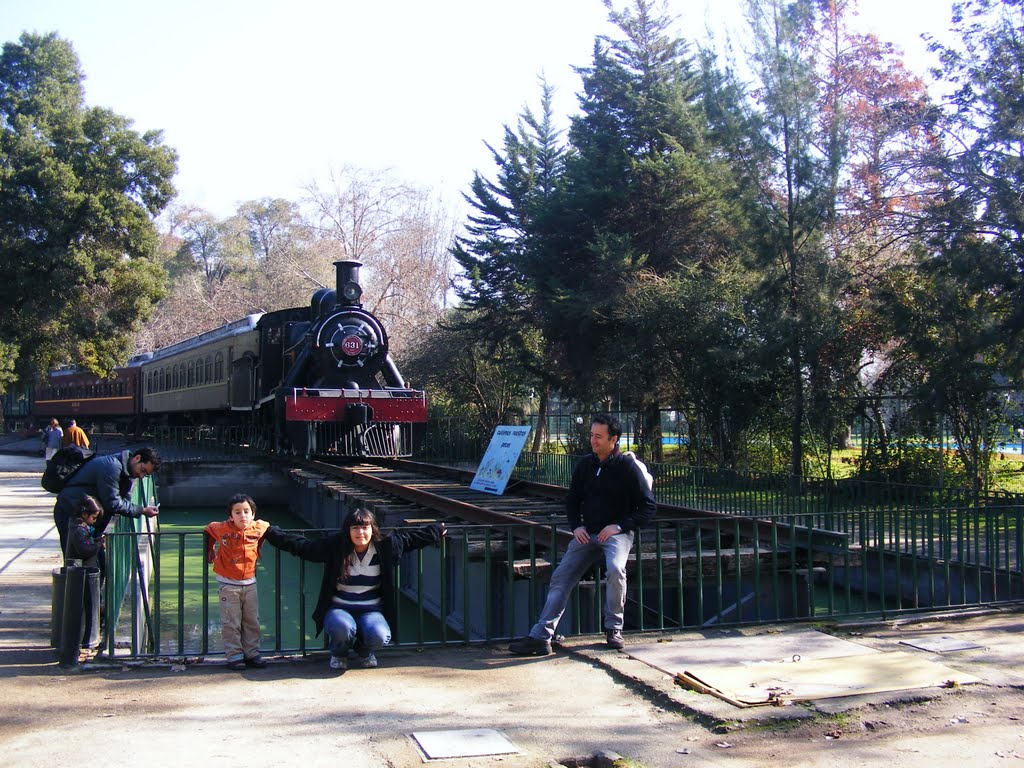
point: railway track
(411, 490)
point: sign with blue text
(502, 454)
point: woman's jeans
(578, 558)
(361, 632)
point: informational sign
(500, 459)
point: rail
(126, 588)
(486, 583)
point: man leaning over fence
(110, 480)
(608, 500)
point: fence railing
(126, 580)
(487, 583)
(223, 443)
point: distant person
(53, 436)
(356, 604)
(83, 542)
(608, 500)
(109, 479)
(233, 546)
(75, 436)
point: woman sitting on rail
(357, 592)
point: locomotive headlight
(351, 291)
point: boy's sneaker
(339, 663)
(236, 664)
(369, 661)
(614, 639)
(256, 661)
(530, 646)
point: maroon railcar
(112, 403)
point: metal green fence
(126, 607)
(487, 584)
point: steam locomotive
(320, 379)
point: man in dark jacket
(608, 500)
(110, 480)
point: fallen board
(798, 664)
(774, 682)
(673, 657)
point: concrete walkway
(584, 699)
(29, 551)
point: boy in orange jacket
(233, 546)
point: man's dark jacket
(106, 478)
(611, 491)
(328, 551)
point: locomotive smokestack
(348, 289)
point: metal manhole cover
(473, 742)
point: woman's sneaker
(339, 663)
(369, 661)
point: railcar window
(191, 373)
(209, 369)
(149, 382)
(218, 367)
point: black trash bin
(56, 606)
(90, 607)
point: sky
(261, 97)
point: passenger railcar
(190, 382)
(108, 403)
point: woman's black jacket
(328, 551)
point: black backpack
(64, 464)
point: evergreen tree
(984, 168)
(505, 296)
(644, 194)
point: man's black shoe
(530, 646)
(614, 638)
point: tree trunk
(540, 434)
(652, 431)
